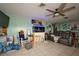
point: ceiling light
(56, 14)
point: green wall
(63, 26)
(66, 26)
(18, 23)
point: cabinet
(38, 37)
(4, 30)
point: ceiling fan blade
(54, 16)
(49, 15)
(49, 10)
(68, 9)
(66, 17)
(61, 7)
(62, 14)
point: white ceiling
(33, 10)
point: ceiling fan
(42, 5)
(60, 11)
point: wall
(18, 23)
(48, 29)
(77, 23)
(63, 26)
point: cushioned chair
(66, 41)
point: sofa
(65, 37)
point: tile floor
(45, 49)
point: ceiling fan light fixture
(56, 14)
